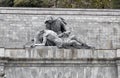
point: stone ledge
(21, 63)
(59, 11)
(52, 9)
(55, 53)
(41, 56)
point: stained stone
(100, 30)
(59, 63)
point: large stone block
(52, 52)
(16, 53)
(61, 72)
(51, 62)
(105, 54)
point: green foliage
(6, 3)
(116, 4)
(99, 4)
(84, 3)
(48, 3)
(27, 3)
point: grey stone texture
(44, 52)
(51, 62)
(98, 28)
(61, 72)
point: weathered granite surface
(43, 52)
(61, 72)
(50, 62)
(98, 28)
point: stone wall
(50, 62)
(98, 28)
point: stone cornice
(59, 11)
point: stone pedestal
(50, 62)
